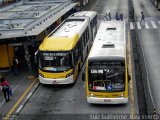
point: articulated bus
(106, 72)
(93, 20)
(63, 51)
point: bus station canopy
(31, 18)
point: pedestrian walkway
(19, 85)
(148, 24)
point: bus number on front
(96, 71)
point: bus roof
(103, 50)
(58, 43)
(114, 30)
(69, 28)
(110, 40)
(65, 36)
(90, 14)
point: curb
(26, 100)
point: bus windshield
(106, 76)
(55, 61)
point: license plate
(54, 82)
(107, 100)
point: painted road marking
(138, 25)
(26, 100)
(95, 5)
(19, 101)
(84, 85)
(29, 95)
(131, 25)
(131, 78)
(153, 24)
(19, 109)
(146, 25)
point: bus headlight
(71, 73)
(41, 75)
(122, 95)
(92, 95)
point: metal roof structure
(90, 14)
(31, 18)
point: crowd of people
(108, 17)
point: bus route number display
(96, 71)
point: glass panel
(58, 61)
(109, 77)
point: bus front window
(107, 78)
(55, 61)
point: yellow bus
(63, 51)
(106, 72)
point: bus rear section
(106, 81)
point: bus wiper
(116, 74)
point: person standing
(142, 17)
(109, 15)
(15, 66)
(117, 16)
(121, 16)
(5, 88)
(106, 17)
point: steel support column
(27, 57)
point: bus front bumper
(107, 100)
(68, 80)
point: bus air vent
(108, 46)
(66, 30)
(111, 29)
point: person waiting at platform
(109, 15)
(117, 16)
(15, 65)
(106, 17)
(5, 88)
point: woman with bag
(5, 88)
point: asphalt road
(61, 101)
(149, 34)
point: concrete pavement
(19, 85)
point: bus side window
(84, 38)
(81, 44)
(75, 54)
(87, 31)
(92, 24)
(79, 48)
(95, 20)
